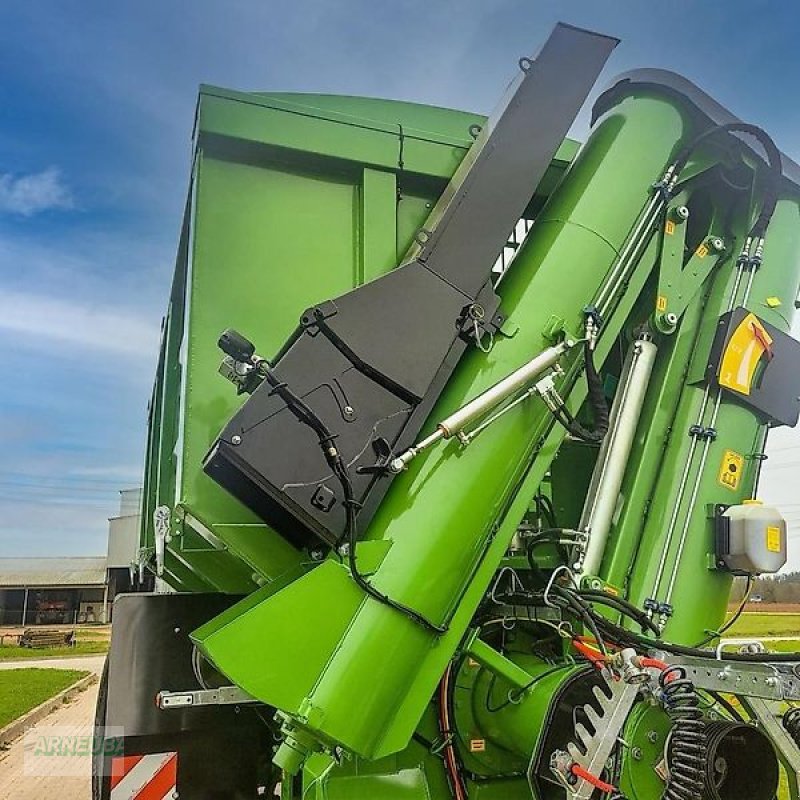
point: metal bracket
(679, 283)
(223, 696)
(787, 749)
(592, 750)
(768, 681)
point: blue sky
(96, 106)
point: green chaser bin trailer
(454, 450)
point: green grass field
(23, 689)
(13, 652)
(757, 624)
(766, 624)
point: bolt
(717, 244)
(236, 439)
(348, 410)
(317, 555)
(636, 753)
(682, 212)
(652, 736)
(176, 630)
(671, 318)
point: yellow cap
(752, 502)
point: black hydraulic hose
(583, 611)
(623, 636)
(597, 401)
(773, 160)
(307, 416)
(623, 606)
(545, 536)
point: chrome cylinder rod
(601, 502)
(485, 402)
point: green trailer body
(280, 184)
(477, 694)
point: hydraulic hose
(773, 160)
(597, 401)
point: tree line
(783, 588)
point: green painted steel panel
(443, 553)
(294, 198)
(297, 198)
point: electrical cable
(453, 767)
(515, 694)
(303, 413)
(732, 621)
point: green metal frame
(295, 198)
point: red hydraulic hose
(579, 772)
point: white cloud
(31, 194)
(42, 321)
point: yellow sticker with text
(477, 745)
(669, 228)
(730, 471)
(701, 251)
(745, 347)
(661, 303)
(774, 539)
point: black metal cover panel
(372, 362)
(758, 364)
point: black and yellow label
(701, 251)
(669, 228)
(730, 471)
(477, 745)
(774, 539)
(745, 347)
(661, 303)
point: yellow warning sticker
(747, 344)
(661, 303)
(774, 539)
(701, 251)
(730, 471)
(669, 228)
(477, 745)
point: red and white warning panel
(149, 777)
